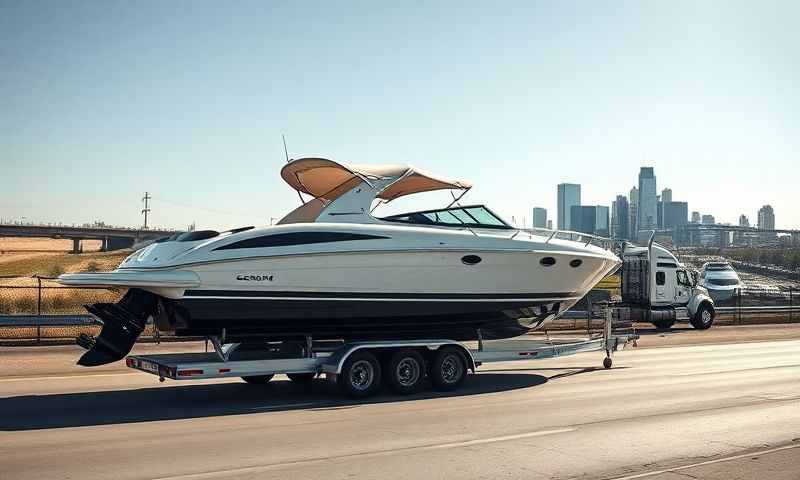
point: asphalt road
(721, 404)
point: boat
(720, 279)
(333, 269)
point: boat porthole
(548, 261)
(470, 259)
(576, 263)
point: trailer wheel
(304, 378)
(704, 317)
(405, 371)
(449, 369)
(607, 362)
(258, 379)
(361, 375)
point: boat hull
(356, 318)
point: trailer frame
(312, 360)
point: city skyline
(104, 103)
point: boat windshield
(475, 216)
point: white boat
(332, 269)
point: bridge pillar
(118, 243)
(104, 245)
(76, 246)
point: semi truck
(659, 289)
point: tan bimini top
(322, 178)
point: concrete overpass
(111, 238)
(723, 236)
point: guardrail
(794, 309)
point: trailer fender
(335, 362)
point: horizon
(107, 101)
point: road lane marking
(737, 370)
(422, 448)
(707, 462)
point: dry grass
(54, 264)
(22, 245)
(25, 267)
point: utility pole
(146, 199)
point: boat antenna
(286, 152)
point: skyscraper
(539, 217)
(620, 218)
(633, 226)
(696, 217)
(744, 221)
(590, 219)
(666, 197)
(766, 218)
(709, 220)
(675, 214)
(648, 204)
(569, 195)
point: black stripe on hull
(398, 296)
(362, 319)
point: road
(721, 404)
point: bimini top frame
(353, 188)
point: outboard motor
(122, 322)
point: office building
(744, 221)
(539, 217)
(766, 218)
(648, 201)
(590, 219)
(620, 218)
(675, 214)
(708, 220)
(633, 206)
(696, 217)
(666, 198)
(569, 195)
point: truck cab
(661, 290)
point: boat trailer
(359, 367)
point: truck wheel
(664, 324)
(361, 375)
(406, 371)
(704, 317)
(304, 378)
(258, 379)
(449, 369)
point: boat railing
(580, 237)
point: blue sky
(100, 101)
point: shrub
(92, 266)
(55, 270)
(26, 304)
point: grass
(52, 265)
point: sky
(101, 101)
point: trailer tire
(703, 318)
(405, 371)
(258, 379)
(449, 369)
(303, 378)
(361, 375)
